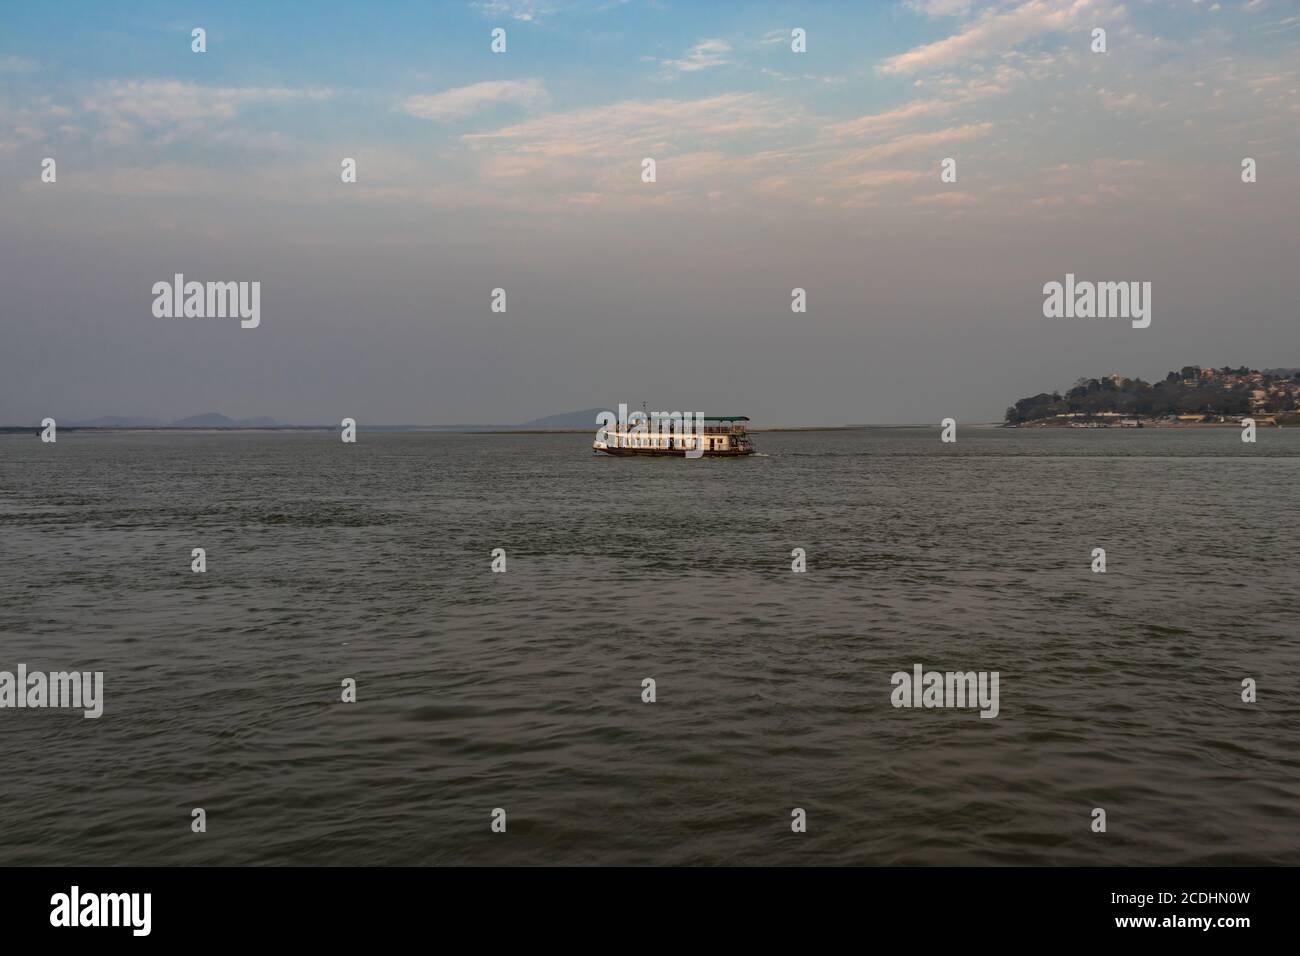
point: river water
(522, 690)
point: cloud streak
(997, 31)
(463, 101)
(705, 55)
(173, 108)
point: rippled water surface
(523, 690)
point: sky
(522, 170)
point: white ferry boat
(724, 436)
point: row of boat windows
(710, 444)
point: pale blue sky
(522, 170)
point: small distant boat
(724, 436)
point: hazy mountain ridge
(205, 420)
(584, 419)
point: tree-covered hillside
(1191, 390)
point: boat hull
(669, 453)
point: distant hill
(217, 420)
(583, 419)
(1190, 391)
(118, 421)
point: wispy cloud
(522, 10)
(940, 8)
(948, 199)
(172, 107)
(464, 101)
(16, 64)
(592, 156)
(997, 94)
(913, 143)
(637, 124)
(703, 56)
(998, 30)
(174, 101)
